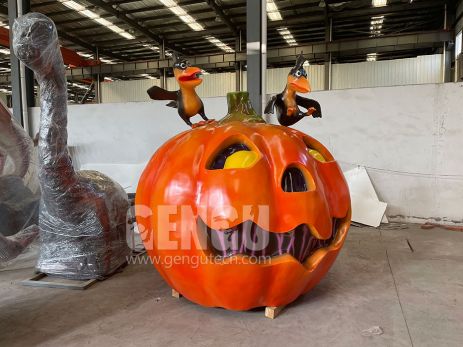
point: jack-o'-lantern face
(269, 203)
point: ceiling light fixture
(379, 3)
(107, 61)
(287, 36)
(182, 14)
(372, 56)
(152, 47)
(376, 24)
(79, 86)
(94, 16)
(85, 55)
(220, 44)
(148, 76)
(156, 49)
(272, 11)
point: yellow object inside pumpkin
(317, 155)
(240, 160)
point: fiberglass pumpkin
(241, 214)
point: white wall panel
(126, 91)
(420, 70)
(429, 69)
(217, 84)
(4, 97)
(213, 84)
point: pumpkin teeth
(250, 239)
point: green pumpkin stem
(240, 109)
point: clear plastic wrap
(12, 246)
(19, 188)
(83, 215)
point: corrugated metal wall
(4, 97)
(126, 91)
(213, 84)
(420, 70)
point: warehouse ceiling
(133, 30)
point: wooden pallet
(37, 281)
(63, 283)
(271, 312)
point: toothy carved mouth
(249, 239)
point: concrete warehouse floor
(416, 297)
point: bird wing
(270, 108)
(308, 103)
(158, 93)
(173, 104)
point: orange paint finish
(188, 80)
(180, 174)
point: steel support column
(238, 65)
(22, 79)
(256, 29)
(97, 80)
(328, 57)
(163, 70)
(446, 54)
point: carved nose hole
(294, 181)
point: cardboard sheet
(366, 207)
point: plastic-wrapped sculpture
(82, 214)
(185, 100)
(287, 102)
(19, 188)
(254, 213)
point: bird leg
(187, 120)
(311, 111)
(290, 111)
(203, 116)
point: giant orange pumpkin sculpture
(240, 213)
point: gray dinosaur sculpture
(82, 214)
(18, 201)
(15, 143)
(19, 191)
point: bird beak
(301, 85)
(190, 73)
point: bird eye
(183, 65)
(298, 74)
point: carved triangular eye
(296, 179)
(317, 151)
(293, 180)
(220, 160)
